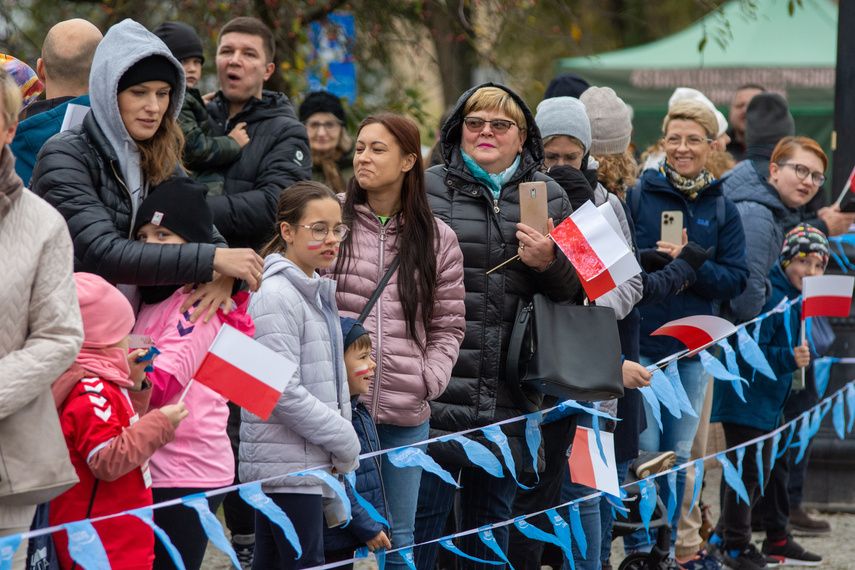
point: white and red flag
(586, 464)
(601, 257)
(245, 371)
(850, 185)
(827, 296)
(697, 332)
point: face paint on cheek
(314, 245)
(361, 371)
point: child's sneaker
(790, 552)
(244, 545)
(701, 561)
(748, 559)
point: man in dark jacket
(277, 154)
(476, 194)
(64, 69)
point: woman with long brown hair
(98, 173)
(417, 324)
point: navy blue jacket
(764, 398)
(720, 278)
(369, 485)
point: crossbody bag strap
(376, 294)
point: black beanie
(321, 102)
(181, 39)
(566, 85)
(151, 68)
(768, 120)
(179, 205)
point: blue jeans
(677, 435)
(484, 500)
(607, 519)
(401, 485)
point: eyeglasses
(320, 231)
(328, 125)
(498, 126)
(802, 172)
(691, 142)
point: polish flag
(827, 296)
(697, 332)
(587, 466)
(245, 371)
(601, 257)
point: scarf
(492, 181)
(690, 187)
(11, 186)
(107, 363)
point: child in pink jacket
(200, 458)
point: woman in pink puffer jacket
(418, 322)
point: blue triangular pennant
(665, 393)
(648, 501)
(85, 547)
(407, 554)
(672, 372)
(334, 484)
(448, 545)
(415, 457)
(533, 437)
(534, 533)
(850, 403)
(497, 436)
(8, 546)
(252, 494)
(562, 531)
(731, 477)
(653, 402)
(750, 351)
(487, 537)
(672, 494)
(821, 372)
(699, 481)
(804, 436)
(365, 503)
(758, 458)
(716, 369)
(146, 516)
(740, 456)
(838, 416)
(477, 454)
(578, 530)
(773, 455)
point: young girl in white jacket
(295, 314)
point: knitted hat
(106, 313)
(151, 68)
(611, 126)
(566, 85)
(768, 120)
(688, 94)
(351, 329)
(181, 39)
(179, 205)
(804, 241)
(564, 116)
(321, 102)
(25, 78)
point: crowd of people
(166, 214)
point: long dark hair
(418, 232)
(292, 206)
(160, 155)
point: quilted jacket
(40, 336)
(295, 315)
(405, 379)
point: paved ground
(837, 549)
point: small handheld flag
(697, 332)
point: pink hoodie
(405, 380)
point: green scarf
(492, 181)
(690, 187)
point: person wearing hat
(204, 154)
(332, 148)
(200, 457)
(98, 173)
(804, 254)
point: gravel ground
(837, 549)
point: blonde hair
(617, 172)
(719, 162)
(11, 98)
(495, 99)
(692, 111)
(574, 140)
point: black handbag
(566, 351)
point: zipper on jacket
(130, 195)
(496, 205)
(375, 402)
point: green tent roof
(768, 38)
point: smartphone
(533, 212)
(672, 227)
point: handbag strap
(376, 294)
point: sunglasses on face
(498, 126)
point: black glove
(695, 255)
(652, 260)
(574, 183)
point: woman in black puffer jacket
(98, 173)
(490, 144)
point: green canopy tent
(791, 55)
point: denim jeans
(484, 500)
(401, 485)
(607, 518)
(677, 435)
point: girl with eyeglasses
(418, 321)
(295, 315)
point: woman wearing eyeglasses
(768, 209)
(683, 184)
(417, 323)
(329, 143)
(490, 143)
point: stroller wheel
(636, 561)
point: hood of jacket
(123, 45)
(745, 184)
(316, 289)
(452, 131)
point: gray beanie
(611, 126)
(564, 116)
(768, 120)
